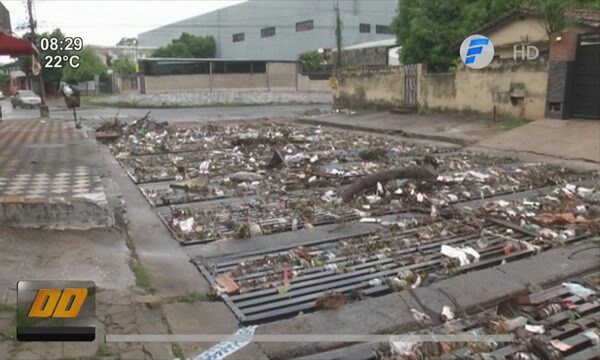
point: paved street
(93, 116)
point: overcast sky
(106, 22)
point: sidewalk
(565, 139)
(49, 178)
(437, 127)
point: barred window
(239, 37)
(267, 32)
(365, 28)
(305, 25)
(383, 29)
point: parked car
(1, 95)
(25, 98)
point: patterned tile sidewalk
(45, 159)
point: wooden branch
(369, 181)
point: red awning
(10, 45)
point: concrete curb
(390, 314)
(441, 138)
(54, 213)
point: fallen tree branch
(369, 181)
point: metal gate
(410, 84)
(586, 85)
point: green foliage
(141, 276)
(9, 334)
(192, 297)
(310, 60)
(177, 351)
(104, 350)
(90, 66)
(188, 46)
(124, 67)
(428, 28)
(52, 76)
(4, 79)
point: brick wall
(563, 50)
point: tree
(90, 65)
(4, 79)
(310, 60)
(427, 28)
(123, 67)
(51, 75)
(188, 46)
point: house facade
(282, 29)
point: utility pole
(32, 26)
(338, 34)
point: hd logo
(56, 311)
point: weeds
(177, 351)
(155, 305)
(141, 276)
(7, 307)
(192, 297)
(9, 334)
(104, 350)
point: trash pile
(459, 186)
(565, 213)
(398, 256)
(557, 323)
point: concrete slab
(566, 139)
(97, 255)
(206, 318)
(167, 265)
(440, 127)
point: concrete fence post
(268, 78)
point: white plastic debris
(400, 348)
(370, 220)
(420, 316)
(312, 179)
(479, 176)
(227, 347)
(434, 212)
(455, 253)
(331, 266)
(375, 282)
(579, 290)
(398, 191)
(502, 203)
(447, 314)
(584, 192)
(536, 329)
(590, 334)
(187, 225)
(420, 197)
(470, 251)
(314, 159)
(373, 198)
(379, 189)
(417, 282)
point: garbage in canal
(330, 301)
(569, 333)
(579, 290)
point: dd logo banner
(56, 311)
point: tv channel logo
(477, 51)
(56, 311)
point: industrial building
(282, 29)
